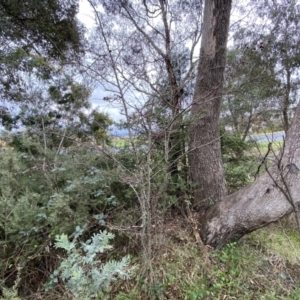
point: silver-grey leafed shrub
(82, 273)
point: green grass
(120, 142)
(281, 238)
(275, 146)
(263, 265)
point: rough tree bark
(269, 198)
(286, 100)
(206, 167)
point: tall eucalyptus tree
(204, 135)
(271, 196)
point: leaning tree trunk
(205, 160)
(269, 198)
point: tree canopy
(49, 27)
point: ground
(263, 265)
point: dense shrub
(44, 194)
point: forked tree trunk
(205, 161)
(264, 201)
(270, 197)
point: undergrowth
(263, 265)
(47, 195)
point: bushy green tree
(49, 27)
(32, 32)
(57, 111)
(272, 45)
(249, 100)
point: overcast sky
(86, 16)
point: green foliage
(10, 294)
(49, 26)
(263, 67)
(42, 194)
(60, 117)
(249, 269)
(94, 124)
(223, 273)
(239, 165)
(250, 90)
(33, 34)
(83, 274)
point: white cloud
(85, 14)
